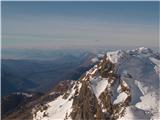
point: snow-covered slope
(122, 85)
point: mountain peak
(115, 88)
(116, 56)
(121, 85)
(143, 50)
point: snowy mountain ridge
(123, 85)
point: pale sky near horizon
(57, 25)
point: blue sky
(57, 25)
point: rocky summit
(122, 85)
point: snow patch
(58, 109)
(98, 85)
(120, 98)
(94, 60)
(157, 64)
(133, 113)
(25, 94)
(117, 56)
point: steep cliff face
(120, 86)
(98, 96)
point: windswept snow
(133, 113)
(140, 70)
(57, 109)
(157, 64)
(116, 56)
(120, 98)
(98, 85)
(143, 83)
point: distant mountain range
(20, 75)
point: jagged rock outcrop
(109, 89)
(88, 106)
(115, 88)
(122, 85)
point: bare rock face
(84, 108)
(93, 97)
(87, 106)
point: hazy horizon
(79, 25)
